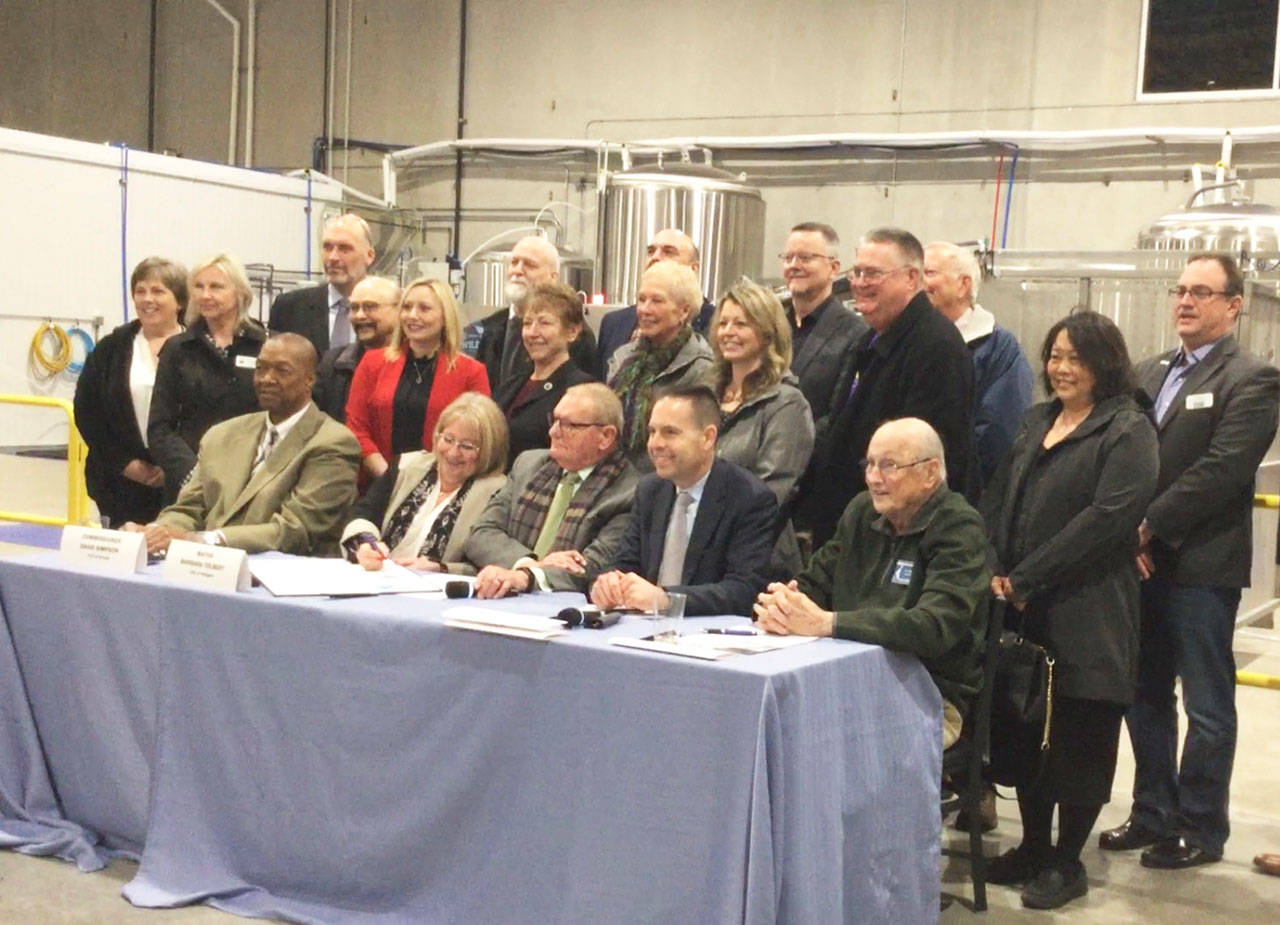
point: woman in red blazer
(398, 393)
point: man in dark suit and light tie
(321, 313)
(282, 478)
(1216, 409)
(701, 526)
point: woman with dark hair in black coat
(113, 396)
(1062, 513)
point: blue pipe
(1008, 198)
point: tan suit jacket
(296, 502)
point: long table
(358, 761)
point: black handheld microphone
(457, 589)
(588, 616)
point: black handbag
(1021, 708)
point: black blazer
(921, 368)
(303, 311)
(334, 373)
(105, 419)
(527, 422)
(1212, 440)
(197, 387)
(493, 332)
(617, 327)
(1063, 524)
(727, 562)
(825, 353)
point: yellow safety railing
(77, 494)
(1253, 678)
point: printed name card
(104, 550)
(218, 567)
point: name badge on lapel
(244, 361)
(1199, 400)
(902, 570)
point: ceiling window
(1208, 48)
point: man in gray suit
(823, 331)
(560, 518)
(282, 478)
(1216, 408)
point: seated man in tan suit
(283, 478)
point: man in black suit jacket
(700, 526)
(823, 331)
(912, 363)
(534, 260)
(1216, 410)
(321, 313)
(617, 327)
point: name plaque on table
(218, 567)
(104, 550)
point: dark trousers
(1186, 633)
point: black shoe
(1126, 837)
(1056, 885)
(1176, 853)
(1017, 865)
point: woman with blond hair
(420, 512)
(397, 394)
(765, 426)
(205, 374)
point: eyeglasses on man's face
(573, 427)
(801, 257)
(1197, 293)
(888, 466)
(873, 274)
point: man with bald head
(281, 478)
(321, 313)
(1001, 375)
(534, 260)
(374, 315)
(906, 569)
(618, 327)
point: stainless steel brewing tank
(485, 278)
(1225, 227)
(723, 215)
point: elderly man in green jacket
(906, 569)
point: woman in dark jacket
(113, 396)
(205, 374)
(1062, 513)
(552, 323)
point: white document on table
(299, 576)
(713, 646)
(520, 625)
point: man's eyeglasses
(872, 274)
(446, 441)
(1197, 293)
(802, 258)
(367, 306)
(572, 427)
(888, 466)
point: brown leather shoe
(1127, 837)
(1268, 864)
(986, 813)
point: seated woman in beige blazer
(427, 503)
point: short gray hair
(964, 262)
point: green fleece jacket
(924, 592)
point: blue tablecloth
(355, 760)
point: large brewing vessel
(723, 215)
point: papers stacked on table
(711, 646)
(520, 625)
(299, 576)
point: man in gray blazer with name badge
(1216, 408)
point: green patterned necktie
(555, 514)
